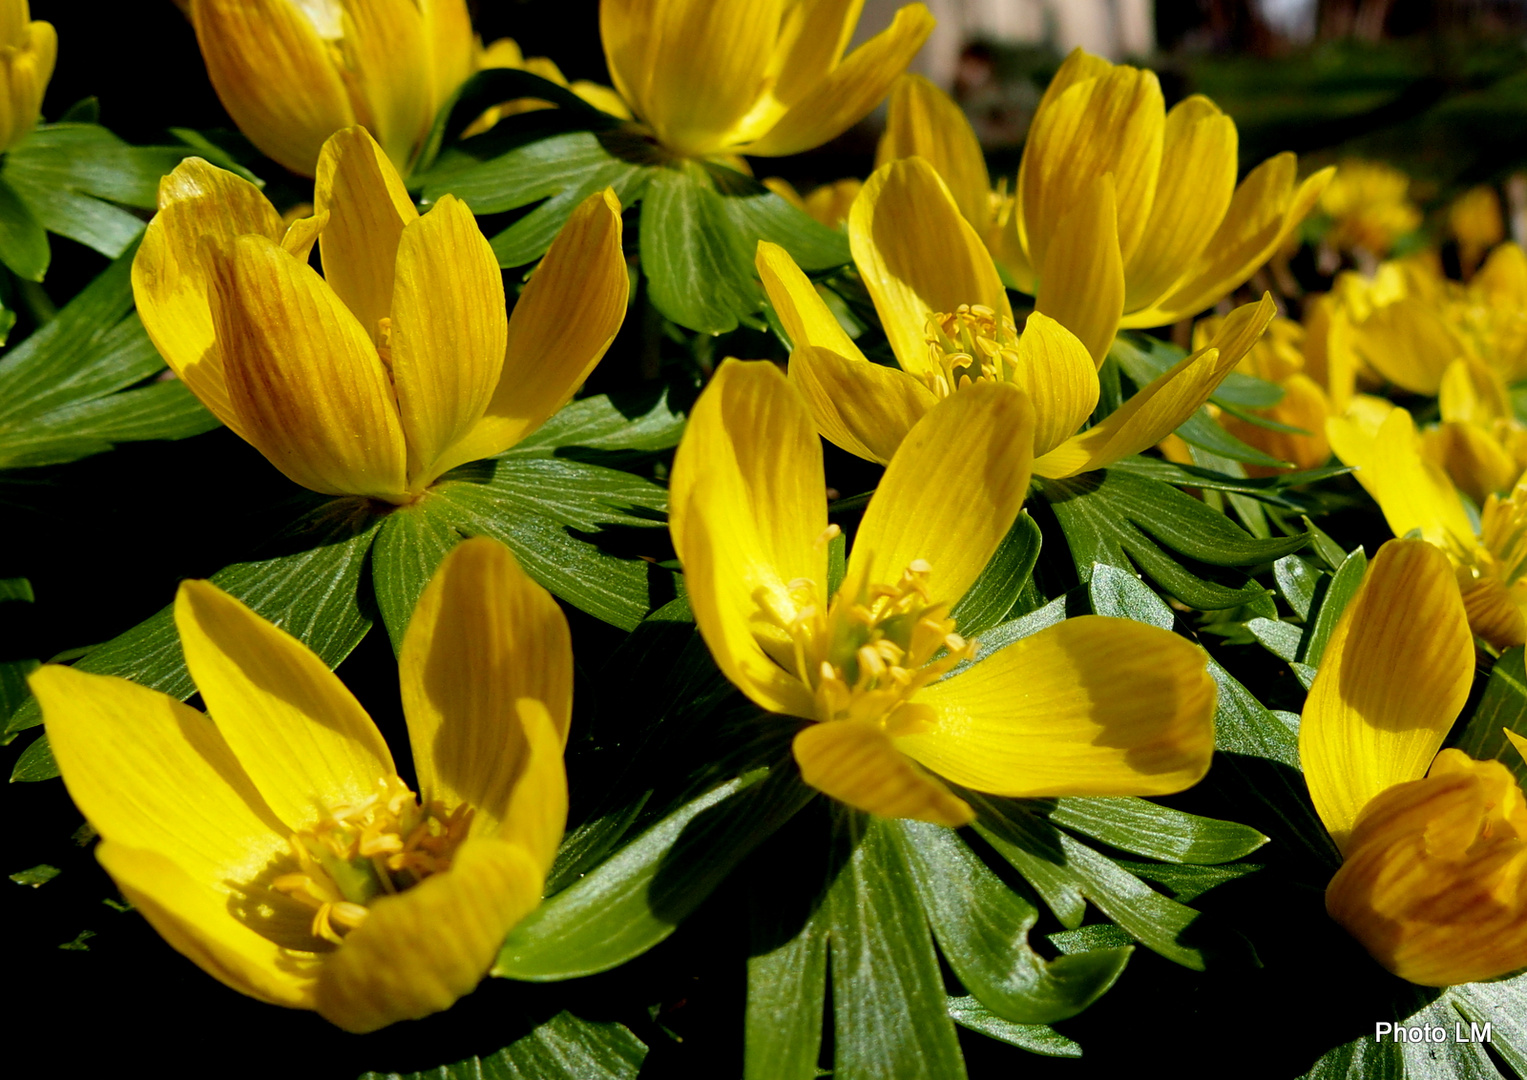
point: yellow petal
(1113, 122)
(448, 332)
(275, 76)
(811, 41)
(1394, 676)
(925, 122)
(201, 207)
(387, 58)
(1413, 493)
(1503, 277)
(1159, 408)
(1472, 459)
(1495, 612)
(801, 309)
(201, 922)
(304, 740)
(560, 328)
(850, 90)
(1091, 706)
(537, 811)
(1265, 209)
(1081, 280)
(918, 256)
(1304, 405)
(483, 637)
(450, 47)
(1435, 881)
(1055, 370)
(154, 775)
(1198, 166)
(368, 207)
(857, 763)
(1471, 392)
(867, 409)
(30, 67)
(748, 511)
(1408, 344)
(420, 950)
(952, 491)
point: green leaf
(1504, 705)
(787, 989)
(35, 762)
(996, 590)
(23, 241)
(409, 548)
(16, 588)
(1035, 1038)
(563, 1048)
(602, 428)
(635, 899)
(1328, 605)
(755, 213)
(890, 1018)
(698, 272)
(982, 927)
(1122, 595)
(1297, 580)
(1188, 882)
(1158, 832)
(1269, 489)
(37, 876)
(1279, 638)
(1501, 1004)
(1202, 431)
(1382, 1058)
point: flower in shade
(951, 327)
(398, 364)
(1124, 214)
(1369, 207)
(28, 50)
(712, 78)
(1433, 881)
(1092, 706)
(275, 845)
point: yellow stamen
(969, 345)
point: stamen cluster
(971, 344)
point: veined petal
(1159, 408)
(1394, 676)
(1496, 613)
(954, 517)
(925, 122)
(560, 328)
(1081, 280)
(450, 47)
(1435, 881)
(1198, 165)
(368, 208)
(857, 763)
(1472, 459)
(1112, 123)
(918, 257)
(867, 409)
(274, 75)
(30, 68)
(801, 309)
(448, 332)
(850, 90)
(812, 37)
(197, 919)
(420, 950)
(154, 775)
(309, 389)
(1057, 373)
(200, 207)
(304, 740)
(1265, 208)
(386, 49)
(482, 638)
(748, 513)
(1090, 706)
(1409, 344)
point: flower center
(867, 651)
(379, 846)
(971, 344)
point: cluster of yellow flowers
(278, 848)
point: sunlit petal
(857, 763)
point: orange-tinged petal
(1081, 280)
(201, 207)
(368, 208)
(748, 513)
(275, 75)
(1495, 612)
(483, 638)
(304, 740)
(1412, 492)
(867, 409)
(387, 57)
(954, 518)
(918, 257)
(308, 387)
(1472, 458)
(1304, 405)
(560, 328)
(857, 763)
(1435, 881)
(1090, 706)
(420, 950)
(1159, 408)
(925, 122)
(448, 332)
(1473, 393)
(1409, 344)
(1394, 676)
(850, 90)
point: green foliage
(563, 1048)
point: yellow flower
(506, 53)
(1369, 204)
(1379, 439)
(766, 77)
(277, 847)
(951, 326)
(1092, 706)
(1434, 878)
(1475, 220)
(1124, 214)
(27, 52)
(397, 365)
(293, 72)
